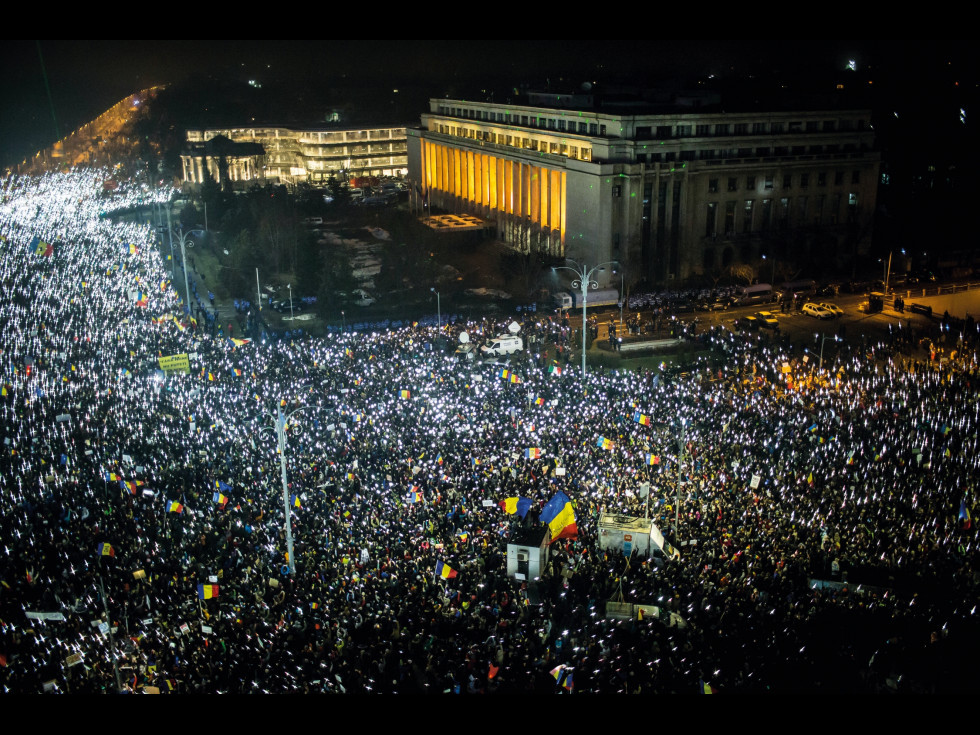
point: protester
(824, 533)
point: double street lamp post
(584, 281)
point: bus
(796, 288)
(760, 293)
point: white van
(760, 293)
(504, 344)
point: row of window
(769, 181)
(582, 153)
(528, 121)
(769, 213)
(303, 136)
(662, 132)
(757, 152)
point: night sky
(86, 78)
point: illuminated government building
(679, 194)
(294, 156)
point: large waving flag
(515, 505)
(641, 418)
(532, 453)
(41, 248)
(445, 571)
(604, 443)
(560, 517)
(563, 675)
(207, 591)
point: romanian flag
(503, 374)
(641, 419)
(350, 475)
(295, 502)
(445, 571)
(539, 401)
(966, 520)
(175, 507)
(220, 499)
(239, 342)
(415, 497)
(130, 485)
(560, 517)
(41, 248)
(237, 372)
(515, 505)
(111, 477)
(652, 459)
(106, 550)
(604, 443)
(439, 459)
(463, 536)
(133, 249)
(475, 461)
(514, 378)
(705, 688)
(563, 675)
(532, 453)
(207, 591)
(142, 298)
(405, 394)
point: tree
(743, 273)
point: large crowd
(824, 538)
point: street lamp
(438, 305)
(185, 242)
(680, 462)
(280, 422)
(772, 280)
(622, 295)
(583, 281)
(822, 342)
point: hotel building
(295, 156)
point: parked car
(817, 311)
(283, 307)
(767, 320)
(834, 309)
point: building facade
(676, 195)
(299, 156)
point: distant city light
(852, 65)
